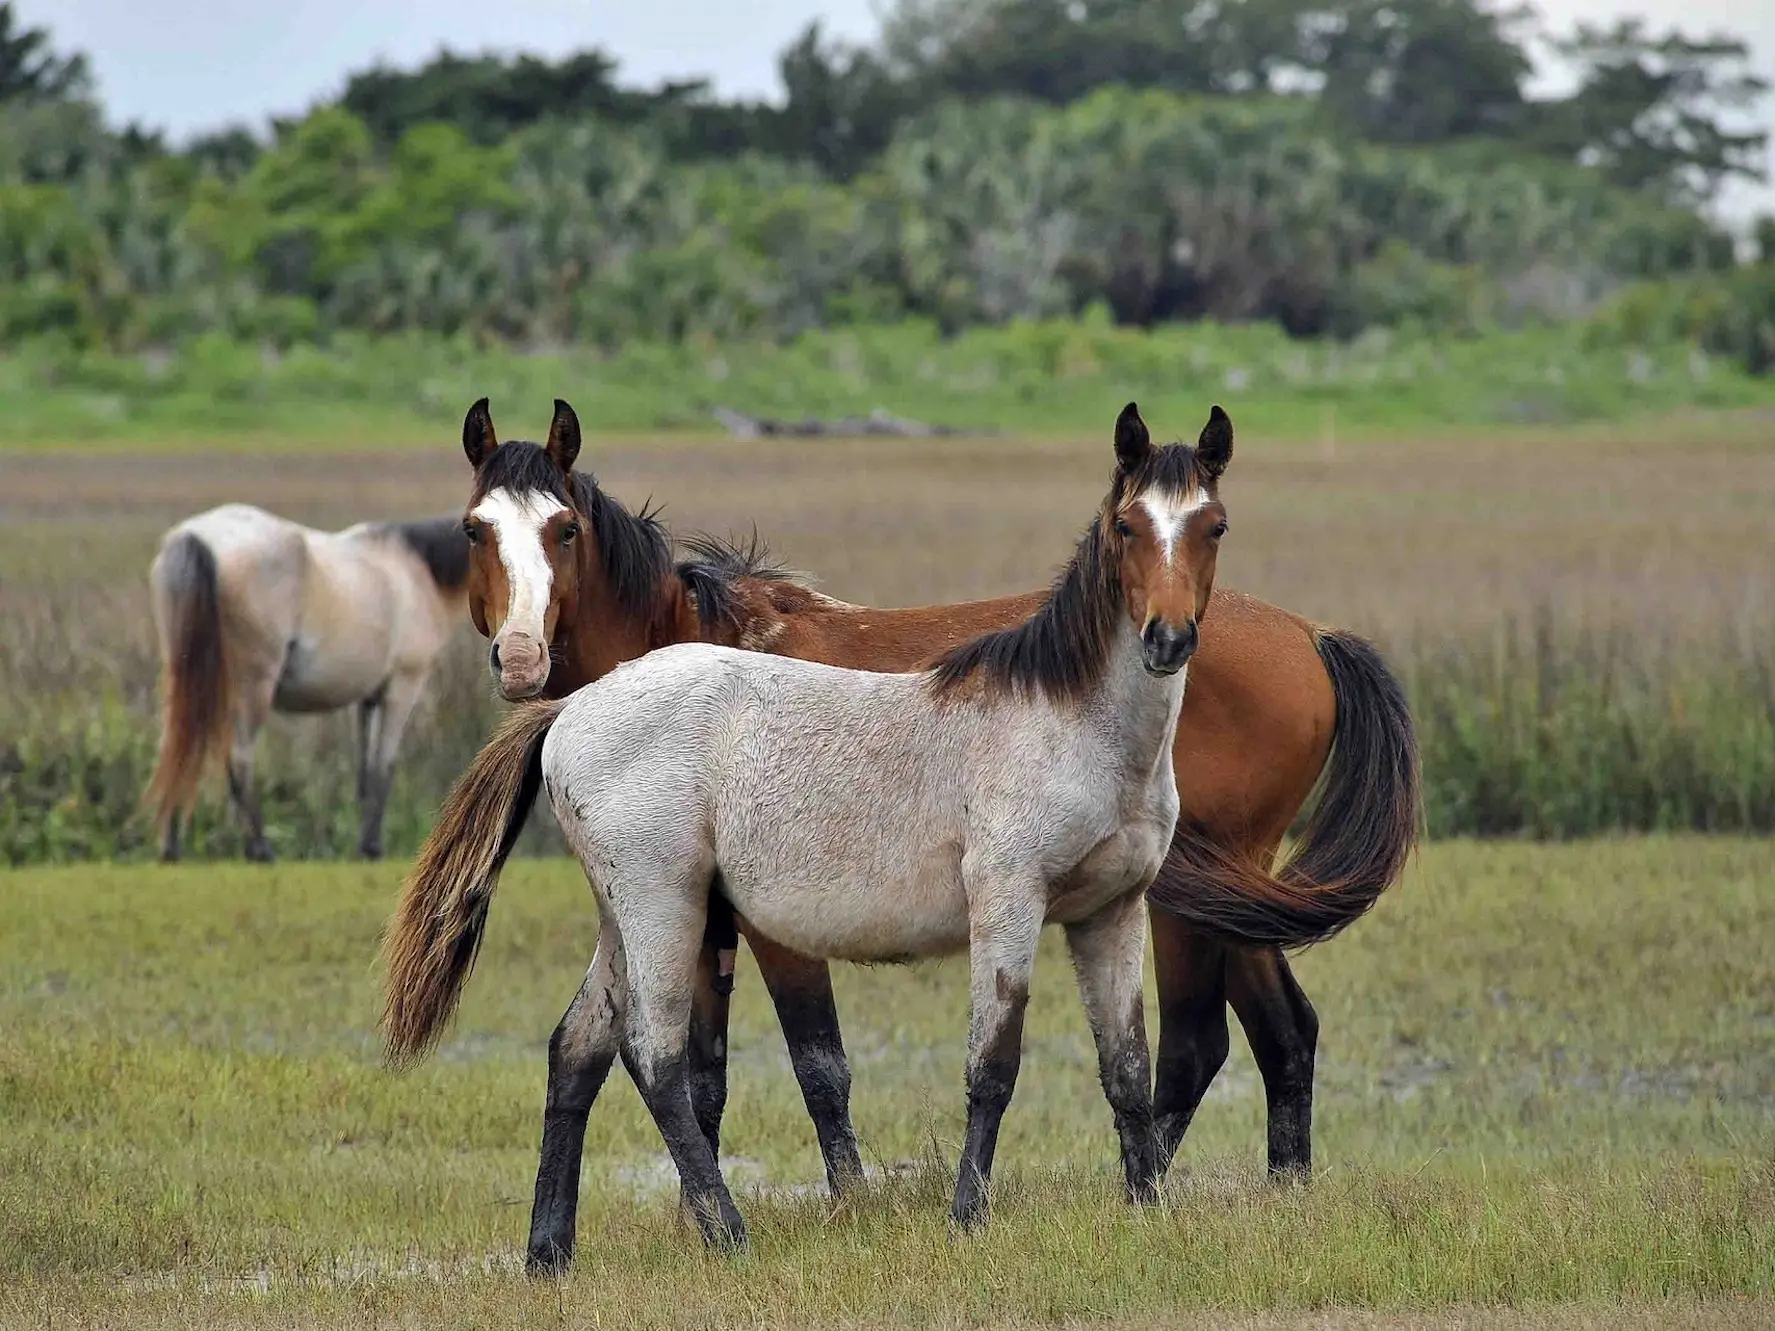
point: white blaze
(518, 523)
(1169, 513)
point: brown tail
(193, 675)
(1355, 844)
(430, 945)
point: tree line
(1331, 166)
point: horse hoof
(1144, 1194)
(969, 1218)
(723, 1233)
(1295, 1174)
(547, 1262)
(259, 854)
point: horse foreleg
(1283, 1030)
(1004, 933)
(580, 1053)
(398, 699)
(801, 989)
(1108, 952)
(1193, 1043)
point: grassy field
(1547, 1083)
(1049, 379)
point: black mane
(441, 546)
(715, 566)
(634, 547)
(1062, 648)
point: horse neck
(600, 634)
(1138, 708)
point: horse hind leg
(580, 1054)
(1283, 1030)
(801, 989)
(1108, 952)
(252, 707)
(711, 1000)
(662, 961)
(1193, 1041)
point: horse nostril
(496, 656)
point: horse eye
(472, 532)
(1219, 529)
(569, 532)
(1123, 529)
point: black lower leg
(1283, 1030)
(574, 1082)
(1125, 1079)
(664, 1084)
(707, 1049)
(802, 992)
(991, 1079)
(1193, 1046)
(169, 839)
(246, 799)
(375, 786)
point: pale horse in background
(257, 613)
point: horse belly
(342, 649)
(321, 676)
(855, 910)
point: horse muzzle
(521, 664)
(1165, 650)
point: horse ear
(1133, 440)
(1215, 448)
(478, 439)
(563, 444)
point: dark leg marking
(801, 989)
(1193, 1041)
(664, 1085)
(992, 1077)
(581, 1051)
(1283, 1029)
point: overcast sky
(185, 65)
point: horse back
(1257, 720)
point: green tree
(30, 67)
(1651, 111)
(1418, 71)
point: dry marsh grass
(1585, 620)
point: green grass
(1046, 378)
(1547, 1077)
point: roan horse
(1268, 693)
(1026, 779)
(255, 612)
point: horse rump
(193, 673)
(1355, 844)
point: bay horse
(1025, 779)
(1274, 705)
(256, 613)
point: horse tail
(1355, 844)
(430, 946)
(193, 673)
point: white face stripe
(1169, 512)
(518, 524)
